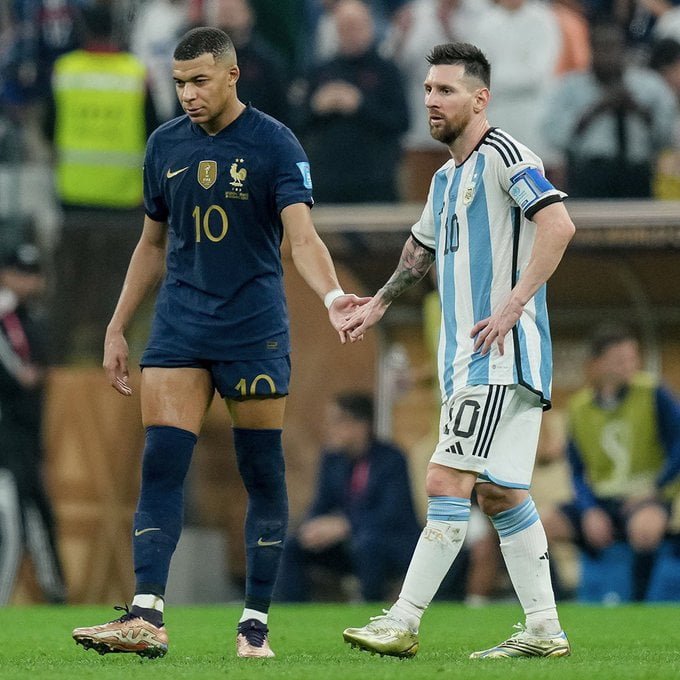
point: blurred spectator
(522, 39)
(26, 519)
(263, 81)
(414, 29)
(100, 120)
(37, 32)
(575, 50)
(665, 60)
(322, 31)
(156, 29)
(354, 116)
(624, 454)
(611, 122)
(362, 520)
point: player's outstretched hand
(341, 309)
(363, 318)
(496, 327)
(116, 361)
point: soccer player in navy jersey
(497, 230)
(221, 186)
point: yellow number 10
(242, 385)
(203, 225)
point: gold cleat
(252, 640)
(384, 635)
(523, 643)
(128, 634)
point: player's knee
(493, 499)
(259, 455)
(443, 481)
(167, 454)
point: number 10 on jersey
(213, 227)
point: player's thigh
(178, 397)
(254, 390)
(257, 414)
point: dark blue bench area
(606, 579)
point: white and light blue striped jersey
(477, 220)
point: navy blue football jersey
(221, 195)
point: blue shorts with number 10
(247, 379)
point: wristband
(332, 296)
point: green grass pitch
(617, 643)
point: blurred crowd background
(592, 86)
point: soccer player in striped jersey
(222, 184)
(497, 230)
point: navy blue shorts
(250, 379)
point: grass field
(608, 643)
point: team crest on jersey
(207, 173)
(238, 175)
(469, 192)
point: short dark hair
(357, 404)
(664, 53)
(473, 60)
(202, 40)
(607, 335)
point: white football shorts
(491, 430)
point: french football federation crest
(237, 174)
(207, 173)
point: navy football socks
(259, 454)
(160, 511)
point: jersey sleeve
(423, 230)
(154, 201)
(524, 180)
(292, 173)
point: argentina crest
(207, 173)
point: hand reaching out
(342, 308)
(363, 318)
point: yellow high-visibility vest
(100, 128)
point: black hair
(97, 22)
(202, 40)
(607, 335)
(473, 60)
(664, 53)
(357, 404)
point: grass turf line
(626, 642)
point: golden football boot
(523, 643)
(384, 635)
(128, 634)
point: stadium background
(623, 264)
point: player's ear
(234, 74)
(481, 99)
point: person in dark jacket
(26, 519)
(362, 521)
(354, 115)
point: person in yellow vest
(101, 120)
(624, 455)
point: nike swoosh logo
(139, 532)
(171, 173)
(264, 544)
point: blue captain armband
(528, 187)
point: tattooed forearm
(414, 263)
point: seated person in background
(623, 451)
(362, 521)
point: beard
(448, 132)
